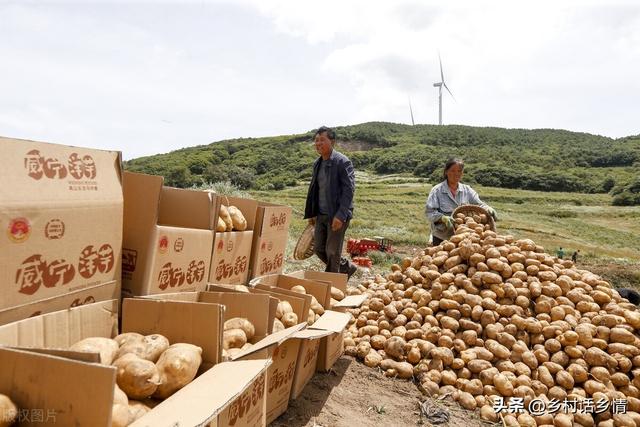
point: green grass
(393, 207)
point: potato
(402, 369)
(299, 289)
(8, 411)
(137, 410)
(277, 326)
(106, 347)
(337, 294)
(126, 337)
(119, 410)
(237, 219)
(283, 308)
(233, 338)
(149, 348)
(177, 367)
(241, 323)
(137, 377)
(221, 226)
(289, 319)
(224, 214)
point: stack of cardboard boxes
(71, 216)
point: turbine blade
(441, 72)
(447, 88)
(411, 111)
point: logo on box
(78, 167)
(178, 245)
(171, 276)
(19, 230)
(54, 229)
(163, 244)
(220, 246)
(36, 271)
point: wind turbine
(439, 85)
(411, 111)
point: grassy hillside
(544, 159)
(391, 206)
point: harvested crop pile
(486, 319)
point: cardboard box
(61, 216)
(259, 307)
(322, 342)
(272, 219)
(270, 238)
(268, 254)
(168, 237)
(227, 394)
(101, 292)
(232, 249)
(332, 346)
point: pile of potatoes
(148, 367)
(478, 218)
(8, 411)
(237, 336)
(231, 219)
(485, 315)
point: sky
(148, 77)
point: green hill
(540, 159)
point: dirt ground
(354, 395)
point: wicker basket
(475, 209)
(304, 247)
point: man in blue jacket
(330, 202)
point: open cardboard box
(232, 249)
(61, 216)
(332, 347)
(330, 324)
(168, 237)
(87, 395)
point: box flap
(196, 323)
(100, 292)
(82, 356)
(61, 329)
(273, 339)
(321, 290)
(338, 280)
(66, 392)
(332, 321)
(175, 296)
(351, 301)
(185, 208)
(206, 396)
(312, 334)
(141, 199)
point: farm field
(608, 237)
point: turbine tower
(439, 85)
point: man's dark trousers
(328, 243)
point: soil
(354, 395)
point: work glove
(447, 221)
(493, 213)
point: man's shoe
(352, 269)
